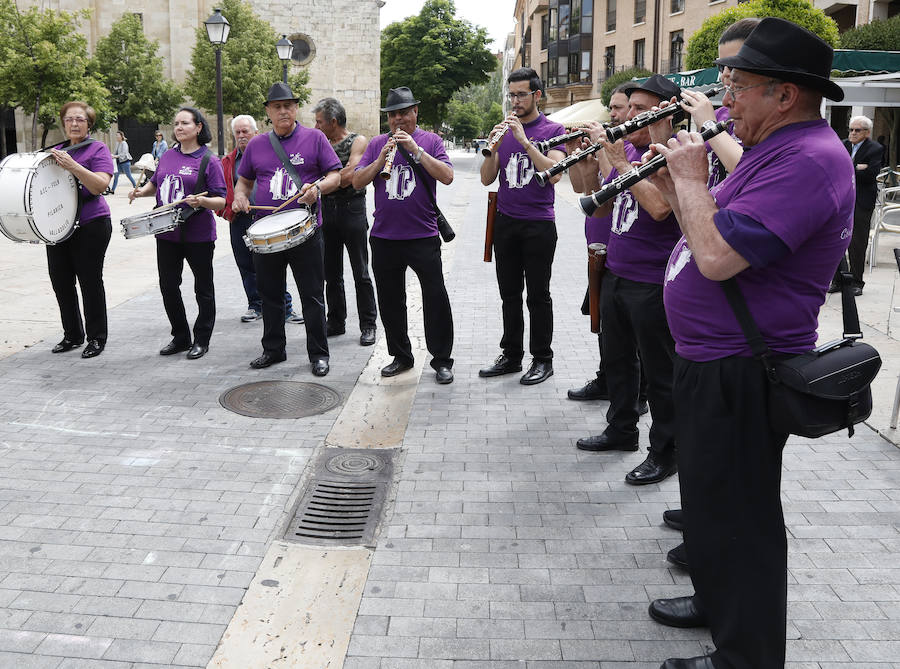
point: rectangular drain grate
(344, 499)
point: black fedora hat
(783, 50)
(658, 85)
(280, 91)
(399, 98)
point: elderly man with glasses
(774, 230)
(524, 230)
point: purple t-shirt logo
(402, 182)
(171, 189)
(625, 212)
(282, 187)
(519, 170)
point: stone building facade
(337, 40)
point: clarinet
(544, 177)
(646, 118)
(388, 162)
(590, 203)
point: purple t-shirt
(520, 195)
(716, 169)
(639, 246)
(308, 150)
(597, 229)
(798, 184)
(175, 178)
(402, 207)
(97, 158)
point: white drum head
(273, 223)
(42, 193)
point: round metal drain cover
(354, 464)
(280, 399)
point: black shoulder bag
(288, 165)
(447, 233)
(824, 390)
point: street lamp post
(284, 49)
(217, 29)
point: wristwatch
(708, 125)
(418, 156)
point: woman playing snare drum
(80, 257)
(193, 240)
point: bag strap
(199, 187)
(282, 156)
(421, 177)
(848, 302)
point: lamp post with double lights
(284, 49)
(217, 29)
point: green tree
(877, 36)
(465, 119)
(250, 64)
(620, 78)
(703, 46)
(486, 97)
(493, 117)
(44, 63)
(132, 72)
(435, 54)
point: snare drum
(281, 231)
(151, 222)
(38, 199)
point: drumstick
(262, 207)
(287, 202)
(177, 202)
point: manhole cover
(354, 464)
(280, 399)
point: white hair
(865, 120)
(244, 117)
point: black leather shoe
(678, 556)
(539, 372)
(66, 345)
(650, 470)
(702, 662)
(396, 367)
(333, 330)
(677, 612)
(595, 389)
(643, 407)
(834, 287)
(857, 291)
(674, 518)
(502, 365)
(443, 375)
(367, 337)
(174, 347)
(268, 358)
(93, 349)
(602, 442)
(320, 368)
(197, 351)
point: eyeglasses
(734, 90)
(74, 119)
(859, 129)
(519, 96)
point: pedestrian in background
(123, 161)
(159, 146)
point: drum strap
(282, 156)
(82, 198)
(199, 187)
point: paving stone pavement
(134, 510)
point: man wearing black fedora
(303, 163)
(775, 229)
(635, 333)
(405, 232)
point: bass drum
(38, 199)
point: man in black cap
(644, 231)
(405, 232)
(775, 229)
(277, 166)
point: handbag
(821, 391)
(443, 225)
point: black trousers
(345, 224)
(170, 258)
(601, 375)
(859, 242)
(635, 333)
(729, 464)
(243, 258)
(80, 258)
(307, 266)
(523, 255)
(390, 259)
